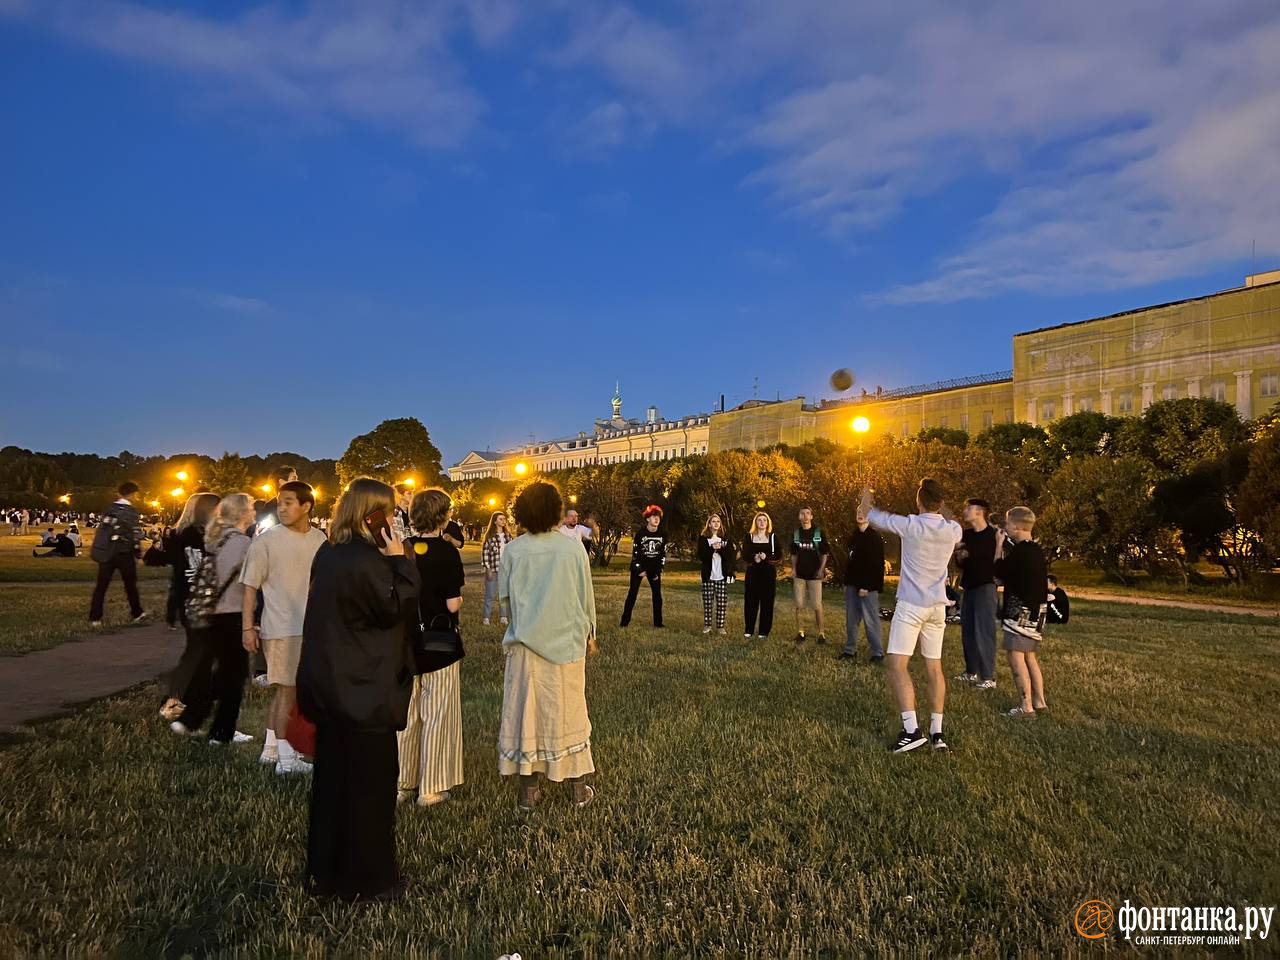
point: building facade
(1224, 345)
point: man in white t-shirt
(572, 528)
(919, 617)
(279, 564)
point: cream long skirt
(430, 746)
(545, 728)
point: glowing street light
(860, 425)
(156, 504)
(521, 468)
(573, 498)
(493, 501)
(760, 504)
(176, 492)
(409, 482)
(265, 488)
(181, 475)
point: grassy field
(1261, 590)
(18, 566)
(746, 807)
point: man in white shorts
(279, 564)
(928, 540)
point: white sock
(287, 753)
(909, 721)
(935, 723)
(271, 738)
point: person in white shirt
(928, 541)
(571, 528)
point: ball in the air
(842, 379)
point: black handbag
(435, 648)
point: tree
(391, 451)
(1175, 435)
(731, 484)
(950, 436)
(230, 474)
(1201, 505)
(1087, 433)
(1098, 509)
(604, 495)
(1259, 497)
(1008, 437)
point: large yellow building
(1225, 346)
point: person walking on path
(545, 731)
(354, 682)
(430, 746)
(976, 557)
(863, 581)
(919, 616)
(809, 553)
(279, 564)
(761, 555)
(496, 538)
(716, 556)
(117, 544)
(648, 557)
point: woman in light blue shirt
(545, 579)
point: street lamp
(409, 482)
(181, 475)
(65, 498)
(521, 468)
(493, 501)
(573, 498)
(860, 426)
(265, 488)
(760, 504)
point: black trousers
(174, 613)
(758, 596)
(212, 670)
(655, 586)
(351, 847)
(128, 567)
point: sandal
(1021, 713)
(530, 794)
(580, 794)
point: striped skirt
(430, 746)
(545, 728)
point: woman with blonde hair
(354, 681)
(546, 577)
(224, 662)
(430, 746)
(761, 554)
(185, 551)
(496, 538)
(716, 554)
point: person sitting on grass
(63, 546)
(928, 539)
(1021, 569)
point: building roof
(938, 386)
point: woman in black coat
(354, 681)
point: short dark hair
(1053, 579)
(301, 490)
(429, 508)
(539, 507)
(930, 494)
(281, 475)
(978, 502)
(128, 488)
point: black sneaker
(877, 660)
(798, 639)
(821, 639)
(909, 741)
(845, 655)
(938, 742)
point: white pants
(911, 624)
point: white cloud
(249, 306)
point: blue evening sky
(254, 227)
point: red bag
(301, 733)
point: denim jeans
(867, 611)
(978, 630)
(491, 599)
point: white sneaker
(985, 685)
(270, 757)
(706, 629)
(746, 636)
(296, 765)
(261, 680)
(239, 737)
(484, 623)
(431, 799)
(503, 622)
(181, 729)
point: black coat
(727, 557)
(865, 567)
(356, 671)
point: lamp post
(181, 475)
(521, 468)
(860, 426)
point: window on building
(1168, 392)
(988, 417)
(682, 451)
(1008, 414)
(942, 421)
(1124, 402)
(906, 430)
(964, 422)
(1049, 410)
(1086, 404)
(1218, 390)
(1269, 385)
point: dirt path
(1181, 604)
(50, 682)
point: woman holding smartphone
(430, 745)
(354, 681)
(716, 554)
(761, 556)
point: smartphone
(376, 523)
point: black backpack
(106, 537)
(205, 592)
